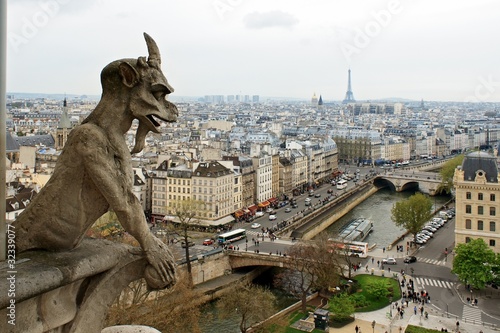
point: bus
(351, 248)
(231, 236)
(341, 184)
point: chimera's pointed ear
(129, 75)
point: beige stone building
(276, 175)
(286, 177)
(213, 183)
(477, 200)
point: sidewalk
(488, 302)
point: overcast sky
(435, 50)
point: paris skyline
(433, 51)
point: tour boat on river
(356, 230)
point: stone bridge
(425, 182)
(239, 259)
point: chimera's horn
(154, 52)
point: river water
(377, 208)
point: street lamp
(390, 306)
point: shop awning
(253, 208)
(272, 200)
(264, 204)
(238, 213)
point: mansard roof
(480, 162)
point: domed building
(477, 193)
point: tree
(447, 172)
(298, 280)
(312, 265)
(326, 263)
(253, 303)
(378, 288)
(171, 310)
(341, 307)
(473, 263)
(187, 211)
(412, 213)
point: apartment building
(477, 200)
(263, 177)
(213, 184)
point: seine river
(377, 208)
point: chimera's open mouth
(153, 120)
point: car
(208, 241)
(259, 214)
(410, 259)
(430, 228)
(420, 241)
(294, 205)
(183, 244)
(422, 236)
(317, 195)
(272, 217)
(288, 210)
(255, 225)
(427, 232)
(311, 193)
(389, 261)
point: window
(467, 239)
(492, 226)
(468, 224)
(480, 210)
(468, 209)
(468, 195)
(479, 196)
(479, 225)
(492, 242)
(492, 211)
(492, 197)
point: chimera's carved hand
(161, 259)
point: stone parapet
(67, 291)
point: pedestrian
(415, 309)
(383, 249)
(356, 328)
(378, 263)
(373, 259)
(458, 325)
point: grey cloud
(275, 18)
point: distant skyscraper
(255, 99)
(349, 96)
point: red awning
(272, 200)
(238, 213)
(264, 204)
(253, 208)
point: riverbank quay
(328, 213)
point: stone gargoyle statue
(94, 171)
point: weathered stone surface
(94, 171)
(130, 329)
(73, 289)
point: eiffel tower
(349, 96)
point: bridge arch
(380, 182)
